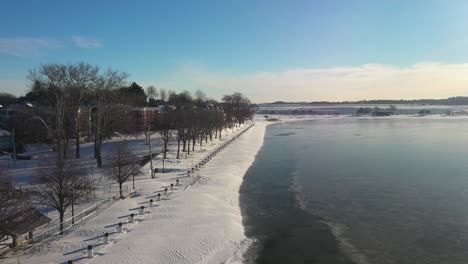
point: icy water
(360, 190)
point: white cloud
(369, 81)
(86, 43)
(24, 46)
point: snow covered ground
(198, 222)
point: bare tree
(104, 99)
(238, 109)
(200, 98)
(163, 94)
(62, 184)
(123, 165)
(151, 92)
(82, 77)
(55, 79)
(166, 129)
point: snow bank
(199, 222)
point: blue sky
(269, 50)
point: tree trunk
(193, 143)
(178, 148)
(95, 147)
(184, 144)
(120, 189)
(61, 222)
(65, 147)
(77, 146)
(188, 146)
(98, 153)
(165, 150)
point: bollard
(165, 191)
(188, 173)
(172, 186)
(90, 252)
(151, 203)
(159, 197)
(177, 182)
(142, 210)
(120, 228)
(106, 238)
(132, 218)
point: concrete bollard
(165, 191)
(151, 203)
(177, 182)
(120, 228)
(90, 252)
(132, 218)
(159, 197)
(172, 186)
(142, 210)
(106, 238)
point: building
(21, 225)
(6, 140)
(139, 118)
(6, 114)
(144, 117)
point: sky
(269, 50)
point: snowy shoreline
(200, 224)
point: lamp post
(73, 205)
(150, 153)
(133, 179)
(14, 148)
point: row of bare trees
(199, 120)
(62, 96)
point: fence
(52, 229)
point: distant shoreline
(457, 100)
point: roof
(4, 133)
(24, 221)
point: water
(389, 190)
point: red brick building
(144, 117)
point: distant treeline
(458, 100)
